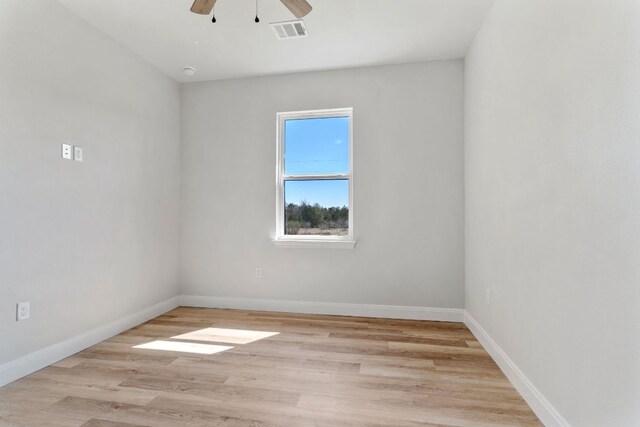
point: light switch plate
(77, 154)
(66, 151)
(23, 311)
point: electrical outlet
(22, 311)
(487, 296)
(77, 154)
(66, 151)
(258, 272)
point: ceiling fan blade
(299, 8)
(203, 7)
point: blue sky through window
(317, 146)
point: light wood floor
(311, 371)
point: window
(315, 188)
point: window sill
(315, 244)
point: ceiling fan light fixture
(299, 8)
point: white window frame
(282, 239)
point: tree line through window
(306, 219)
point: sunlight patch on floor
(229, 336)
(183, 347)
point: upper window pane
(316, 146)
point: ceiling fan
(299, 8)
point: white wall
(87, 243)
(408, 167)
(553, 199)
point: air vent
(290, 29)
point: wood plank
(96, 422)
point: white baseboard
(32, 362)
(549, 416)
(340, 309)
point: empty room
(319, 213)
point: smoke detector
(189, 71)
(290, 29)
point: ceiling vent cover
(290, 29)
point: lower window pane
(316, 208)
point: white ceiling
(343, 34)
